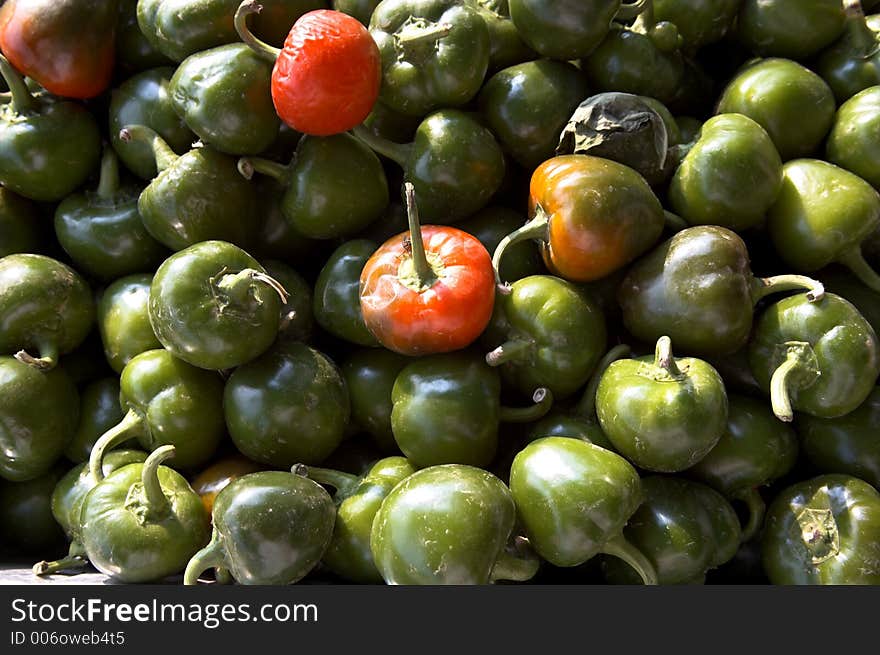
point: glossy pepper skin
(662, 413)
(842, 282)
(506, 45)
(852, 64)
(587, 236)
(822, 215)
(817, 358)
(546, 333)
(490, 225)
(134, 53)
(101, 229)
(143, 522)
(732, 153)
(699, 22)
(357, 500)
(697, 287)
(288, 406)
(435, 53)
(214, 306)
(20, 228)
(797, 29)
(369, 377)
(334, 186)
(268, 511)
(847, 444)
(823, 531)
(46, 308)
(684, 528)
(754, 451)
(123, 319)
(852, 141)
(145, 99)
(360, 9)
(198, 196)
(297, 317)
(792, 103)
(67, 46)
(223, 96)
(573, 499)
(527, 105)
(48, 146)
(99, 411)
(212, 480)
(26, 515)
(447, 524)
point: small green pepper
(297, 317)
(99, 411)
(274, 512)
(506, 45)
(134, 53)
(360, 9)
(854, 137)
(852, 63)
(26, 519)
(797, 29)
(124, 320)
(20, 228)
(699, 22)
(841, 281)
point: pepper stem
(108, 184)
(156, 500)
(424, 274)
(630, 10)
(415, 35)
(543, 402)
(586, 406)
(664, 357)
(396, 152)
(263, 49)
(211, 556)
(237, 286)
(163, 153)
(799, 359)
(47, 360)
(509, 351)
(344, 483)
(22, 99)
(536, 228)
(621, 548)
(756, 508)
(764, 286)
(517, 563)
(645, 19)
(130, 426)
(855, 261)
(861, 36)
(247, 166)
(75, 559)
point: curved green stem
(645, 20)
(247, 166)
(22, 99)
(756, 508)
(586, 406)
(543, 402)
(344, 483)
(855, 261)
(423, 273)
(537, 228)
(157, 501)
(264, 50)
(764, 286)
(510, 350)
(47, 360)
(131, 425)
(108, 183)
(619, 547)
(630, 10)
(415, 35)
(780, 398)
(75, 559)
(163, 153)
(237, 286)
(665, 359)
(396, 152)
(211, 556)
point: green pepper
(823, 531)
(447, 410)
(48, 146)
(455, 164)
(196, 197)
(101, 230)
(545, 333)
(822, 215)
(134, 53)
(360, 9)
(662, 413)
(797, 29)
(144, 99)
(448, 524)
(214, 306)
(506, 45)
(333, 187)
(684, 528)
(143, 522)
(357, 500)
(699, 22)
(754, 451)
(297, 317)
(45, 305)
(167, 402)
(223, 96)
(26, 514)
(841, 281)
(435, 53)
(819, 358)
(574, 499)
(847, 444)
(792, 103)
(698, 288)
(274, 512)
(528, 104)
(732, 153)
(390, 124)
(336, 301)
(490, 225)
(276, 238)
(369, 377)
(98, 412)
(20, 228)
(124, 320)
(288, 406)
(852, 63)
(852, 141)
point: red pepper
(428, 290)
(326, 79)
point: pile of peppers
(441, 291)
